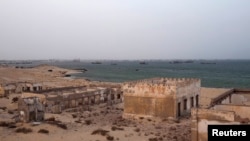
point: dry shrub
(4, 124)
(88, 122)
(7, 124)
(163, 120)
(10, 112)
(74, 115)
(58, 124)
(100, 132)
(3, 108)
(44, 131)
(78, 121)
(50, 119)
(110, 138)
(137, 130)
(14, 99)
(153, 139)
(63, 126)
(141, 117)
(113, 128)
(23, 130)
(12, 125)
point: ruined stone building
(19, 87)
(58, 100)
(229, 107)
(161, 97)
(31, 109)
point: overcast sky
(125, 29)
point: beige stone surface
(207, 94)
(101, 117)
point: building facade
(161, 97)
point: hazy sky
(125, 29)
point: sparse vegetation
(14, 99)
(3, 108)
(50, 119)
(10, 112)
(74, 115)
(44, 131)
(137, 130)
(4, 124)
(113, 128)
(110, 138)
(100, 131)
(23, 130)
(88, 122)
(78, 121)
(153, 139)
(7, 124)
(63, 126)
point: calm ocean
(216, 73)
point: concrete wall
(201, 118)
(187, 95)
(241, 111)
(239, 99)
(149, 106)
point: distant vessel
(208, 63)
(143, 63)
(113, 64)
(96, 62)
(175, 62)
(181, 61)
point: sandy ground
(103, 117)
(54, 78)
(81, 124)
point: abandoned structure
(230, 107)
(60, 99)
(19, 87)
(30, 109)
(161, 97)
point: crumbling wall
(187, 96)
(201, 118)
(239, 99)
(241, 111)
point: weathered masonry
(31, 109)
(161, 97)
(230, 107)
(81, 97)
(19, 87)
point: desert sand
(100, 123)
